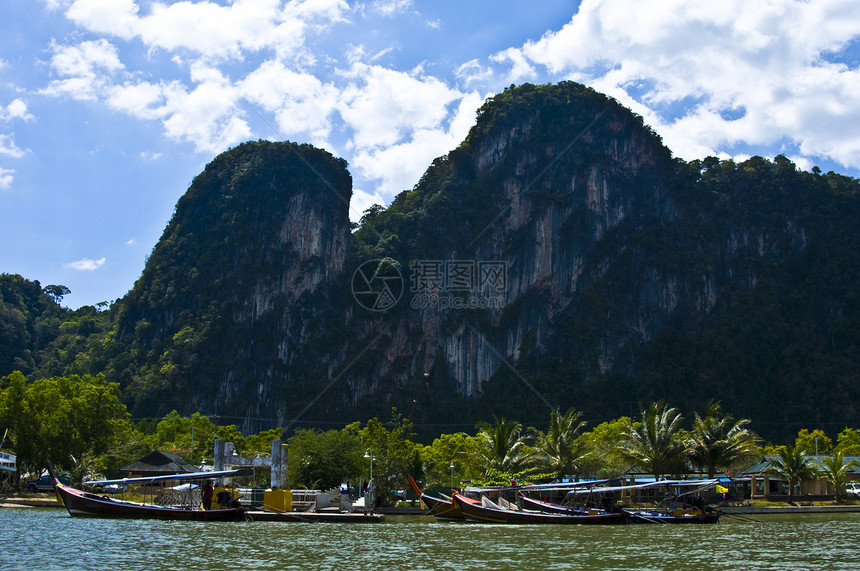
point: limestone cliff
(231, 292)
(558, 257)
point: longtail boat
(86, 504)
(678, 515)
(489, 512)
(443, 509)
(681, 503)
(673, 517)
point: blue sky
(109, 108)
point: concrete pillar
(219, 461)
(279, 464)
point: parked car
(45, 484)
(852, 490)
(113, 488)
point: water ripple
(50, 539)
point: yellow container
(278, 500)
(230, 495)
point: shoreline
(52, 502)
(30, 502)
(764, 510)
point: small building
(764, 485)
(158, 463)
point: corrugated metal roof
(159, 462)
(813, 460)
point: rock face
(529, 197)
(229, 296)
(558, 257)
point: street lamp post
(452, 475)
(370, 486)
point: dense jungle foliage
(81, 425)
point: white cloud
(361, 201)
(9, 148)
(473, 72)
(399, 166)
(88, 67)
(396, 122)
(301, 102)
(143, 100)
(392, 122)
(399, 122)
(208, 29)
(751, 72)
(390, 8)
(520, 70)
(383, 106)
(208, 115)
(52, 5)
(325, 11)
(6, 178)
(117, 17)
(85, 59)
(754, 73)
(86, 264)
(206, 108)
(17, 109)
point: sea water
(39, 538)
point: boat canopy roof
(568, 485)
(189, 476)
(659, 483)
(535, 487)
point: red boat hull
(443, 510)
(491, 515)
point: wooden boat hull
(547, 507)
(85, 504)
(443, 510)
(477, 512)
(645, 517)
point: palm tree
(656, 445)
(500, 445)
(557, 445)
(719, 443)
(791, 466)
(836, 472)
